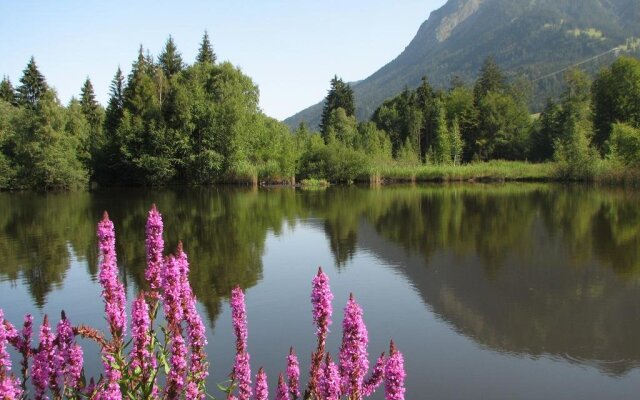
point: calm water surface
(491, 291)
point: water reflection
(524, 269)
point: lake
(491, 291)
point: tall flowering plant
(175, 366)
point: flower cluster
(55, 365)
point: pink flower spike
(329, 383)
(354, 359)
(43, 363)
(262, 389)
(282, 393)
(394, 375)
(377, 376)
(155, 247)
(9, 385)
(112, 289)
(293, 374)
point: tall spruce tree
(116, 103)
(7, 92)
(206, 54)
(90, 107)
(491, 79)
(340, 96)
(33, 85)
(170, 60)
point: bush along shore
(171, 123)
(142, 364)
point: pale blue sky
(291, 48)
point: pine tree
(206, 54)
(441, 141)
(170, 60)
(491, 79)
(116, 103)
(33, 85)
(90, 107)
(7, 92)
(340, 96)
(455, 140)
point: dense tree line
(485, 121)
(172, 123)
(166, 123)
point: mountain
(529, 38)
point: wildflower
(9, 385)
(239, 316)
(293, 374)
(141, 357)
(178, 363)
(261, 389)
(198, 366)
(68, 357)
(282, 393)
(394, 375)
(43, 363)
(354, 361)
(155, 248)
(112, 289)
(376, 378)
(329, 382)
(172, 298)
(321, 298)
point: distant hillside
(533, 38)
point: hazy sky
(291, 48)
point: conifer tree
(33, 85)
(206, 54)
(340, 96)
(90, 107)
(170, 60)
(491, 79)
(7, 92)
(441, 140)
(116, 103)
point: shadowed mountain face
(530, 38)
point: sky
(290, 48)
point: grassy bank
(604, 171)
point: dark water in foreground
(492, 292)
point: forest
(173, 123)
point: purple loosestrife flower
(43, 363)
(242, 369)
(9, 385)
(141, 356)
(178, 362)
(242, 375)
(354, 361)
(155, 248)
(321, 298)
(329, 382)
(172, 292)
(376, 378)
(239, 317)
(111, 388)
(293, 374)
(282, 393)
(68, 358)
(262, 389)
(394, 375)
(112, 289)
(198, 366)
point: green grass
(481, 171)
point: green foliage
(7, 92)
(340, 96)
(33, 85)
(334, 161)
(572, 149)
(625, 144)
(616, 98)
(170, 60)
(205, 53)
